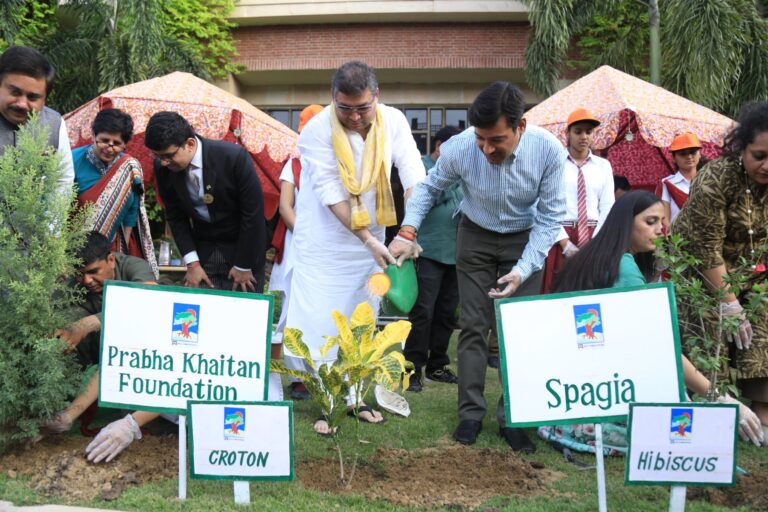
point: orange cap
(307, 114)
(685, 141)
(582, 115)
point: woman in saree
(112, 181)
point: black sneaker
(414, 385)
(442, 375)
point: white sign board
(584, 357)
(682, 444)
(162, 346)
(241, 441)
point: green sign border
(606, 291)
(180, 289)
(199, 476)
(627, 481)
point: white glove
(570, 249)
(743, 336)
(406, 249)
(510, 281)
(379, 252)
(58, 424)
(113, 439)
(750, 428)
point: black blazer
(237, 224)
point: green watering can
(403, 289)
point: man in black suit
(214, 204)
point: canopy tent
(638, 122)
(212, 112)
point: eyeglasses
(360, 109)
(109, 144)
(166, 157)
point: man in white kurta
(332, 262)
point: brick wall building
(431, 56)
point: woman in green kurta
(621, 255)
(725, 219)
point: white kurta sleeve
(287, 173)
(68, 177)
(316, 150)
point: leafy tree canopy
(204, 23)
(713, 52)
(97, 45)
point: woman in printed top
(622, 255)
(112, 181)
(724, 223)
(588, 182)
(673, 190)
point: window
(288, 116)
(456, 117)
(423, 131)
(424, 121)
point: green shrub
(38, 239)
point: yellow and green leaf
(393, 333)
(292, 339)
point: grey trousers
(482, 256)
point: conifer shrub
(39, 236)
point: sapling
(39, 235)
(365, 358)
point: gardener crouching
(99, 265)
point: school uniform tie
(582, 229)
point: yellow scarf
(375, 172)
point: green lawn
(431, 423)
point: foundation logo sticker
(234, 423)
(589, 325)
(186, 320)
(681, 426)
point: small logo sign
(681, 425)
(186, 321)
(234, 423)
(589, 325)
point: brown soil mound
(749, 491)
(454, 476)
(450, 475)
(58, 467)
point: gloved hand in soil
(113, 439)
(58, 424)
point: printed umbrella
(213, 113)
(638, 122)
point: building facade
(431, 57)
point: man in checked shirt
(511, 177)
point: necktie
(195, 182)
(581, 222)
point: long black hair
(596, 265)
